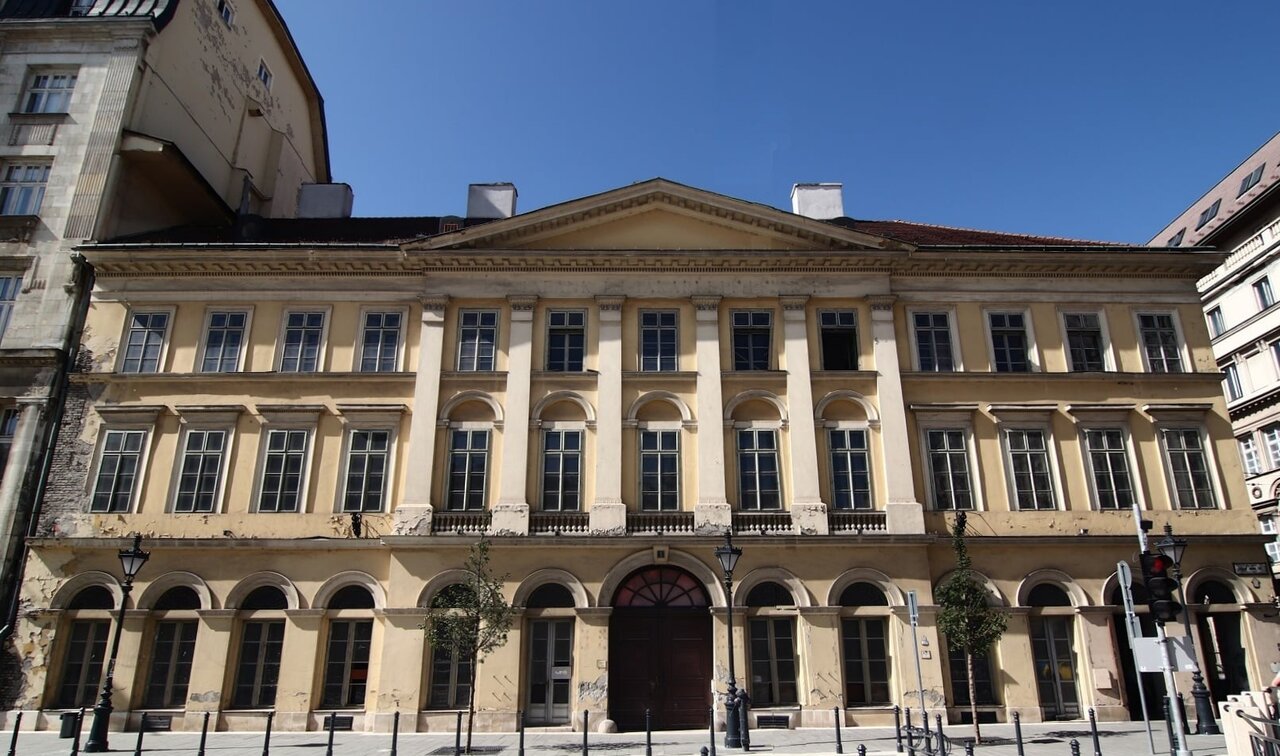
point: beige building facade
(603, 388)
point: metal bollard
(703, 751)
(648, 732)
(75, 741)
(862, 750)
(1075, 747)
(457, 736)
(839, 745)
(941, 739)
(13, 742)
(328, 751)
(395, 734)
(204, 734)
(744, 705)
(713, 731)
(911, 736)
(520, 729)
(1168, 724)
(968, 748)
(584, 732)
(1017, 732)
(1186, 722)
(266, 739)
(897, 728)
(137, 747)
(1093, 730)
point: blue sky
(1086, 119)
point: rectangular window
(367, 458)
(1109, 468)
(346, 667)
(261, 649)
(866, 662)
(984, 691)
(468, 469)
(1250, 181)
(22, 188)
(380, 345)
(751, 336)
(1272, 437)
(226, 12)
(201, 474)
(303, 333)
(174, 649)
(566, 340)
(773, 662)
(1209, 213)
(283, 468)
(144, 342)
(933, 341)
(839, 339)
(561, 470)
(1009, 343)
(1263, 294)
(117, 471)
(1029, 468)
(949, 469)
(9, 288)
(223, 341)
(1085, 346)
(1267, 525)
(8, 427)
(1273, 551)
(264, 74)
(1190, 468)
(1231, 382)
(850, 469)
(82, 667)
(658, 340)
(1160, 343)
(80, 8)
(450, 679)
(1249, 455)
(1216, 322)
(659, 470)
(477, 337)
(49, 92)
(1177, 238)
(758, 478)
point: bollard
(13, 742)
(137, 747)
(520, 729)
(75, 741)
(1017, 732)
(911, 736)
(703, 751)
(941, 740)
(584, 731)
(1186, 723)
(1168, 725)
(1093, 730)
(1075, 747)
(744, 705)
(266, 739)
(395, 734)
(328, 751)
(713, 731)
(457, 736)
(862, 750)
(897, 728)
(968, 748)
(204, 733)
(839, 745)
(648, 732)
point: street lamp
(131, 561)
(1174, 548)
(728, 555)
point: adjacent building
(603, 388)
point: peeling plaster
(596, 690)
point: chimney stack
(325, 201)
(818, 201)
(491, 200)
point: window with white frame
(1273, 550)
(1189, 467)
(9, 288)
(1209, 213)
(223, 341)
(144, 342)
(759, 483)
(948, 450)
(380, 342)
(264, 74)
(8, 427)
(1086, 347)
(1030, 471)
(200, 474)
(368, 459)
(477, 340)
(1251, 180)
(659, 470)
(1108, 457)
(561, 470)
(118, 470)
(1231, 382)
(1217, 324)
(303, 335)
(346, 669)
(1267, 525)
(934, 352)
(752, 330)
(468, 469)
(566, 340)
(839, 332)
(49, 92)
(1262, 293)
(1249, 455)
(1271, 436)
(226, 12)
(1160, 342)
(284, 468)
(850, 469)
(659, 345)
(22, 188)
(1010, 346)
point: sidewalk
(1051, 739)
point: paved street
(1127, 739)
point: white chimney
(491, 200)
(325, 201)
(818, 201)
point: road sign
(1149, 657)
(913, 608)
(1126, 592)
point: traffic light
(1156, 575)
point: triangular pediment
(658, 215)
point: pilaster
(711, 513)
(24, 438)
(400, 673)
(299, 666)
(808, 511)
(591, 659)
(413, 515)
(208, 676)
(127, 665)
(511, 513)
(608, 513)
(903, 513)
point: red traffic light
(1159, 565)
(1157, 576)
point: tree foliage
(965, 614)
(471, 618)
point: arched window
(660, 587)
(451, 667)
(179, 597)
(865, 645)
(351, 597)
(93, 597)
(1053, 651)
(346, 671)
(173, 648)
(1212, 592)
(1048, 594)
(86, 646)
(261, 648)
(773, 656)
(770, 594)
(863, 594)
(549, 596)
(265, 597)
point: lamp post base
(1206, 723)
(732, 733)
(97, 742)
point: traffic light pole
(1179, 733)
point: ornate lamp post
(131, 560)
(728, 555)
(1174, 548)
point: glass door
(1055, 666)
(550, 671)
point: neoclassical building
(603, 388)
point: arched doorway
(1152, 684)
(660, 650)
(1053, 651)
(1226, 669)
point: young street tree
(965, 615)
(470, 619)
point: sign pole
(1134, 630)
(913, 608)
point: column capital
(610, 308)
(433, 306)
(522, 306)
(882, 307)
(793, 306)
(706, 307)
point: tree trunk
(973, 700)
(471, 700)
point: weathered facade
(603, 388)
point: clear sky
(1090, 119)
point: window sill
(574, 375)
(39, 117)
(751, 375)
(660, 374)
